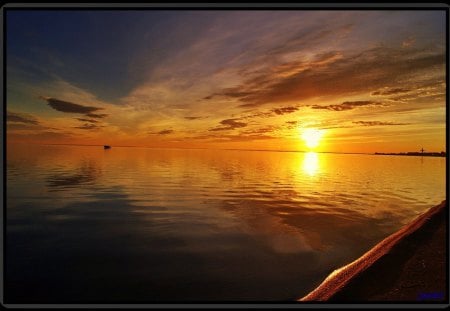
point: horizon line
(204, 148)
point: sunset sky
(368, 81)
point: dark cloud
(391, 91)
(292, 122)
(284, 110)
(193, 118)
(68, 107)
(87, 120)
(229, 124)
(346, 74)
(348, 105)
(20, 118)
(377, 123)
(165, 132)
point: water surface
(156, 225)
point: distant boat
(106, 147)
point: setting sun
(312, 137)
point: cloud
(28, 127)
(165, 132)
(68, 107)
(21, 126)
(230, 124)
(193, 118)
(269, 113)
(88, 126)
(26, 122)
(348, 105)
(392, 91)
(96, 115)
(347, 74)
(21, 118)
(237, 138)
(431, 90)
(284, 110)
(258, 114)
(261, 130)
(292, 122)
(87, 120)
(377, 123)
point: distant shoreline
(415, 154)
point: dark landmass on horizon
(421, 154)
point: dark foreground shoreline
(408, 266)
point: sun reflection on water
(311, 163)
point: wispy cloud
(260, 130)
(347, 74)
(348, 105)
(234, 138)
(391, 91)
(165, 132)
(27, 123)
(87, 120)
(229, 124)
(194, 118)
(21, 118)
(96, 115)
(284, 110)
(88, 126)
(378, 123)
(292, 122)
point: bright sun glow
(312, 137)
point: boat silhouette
(106, 147)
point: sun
(312, 137)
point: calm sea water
(144, 225)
